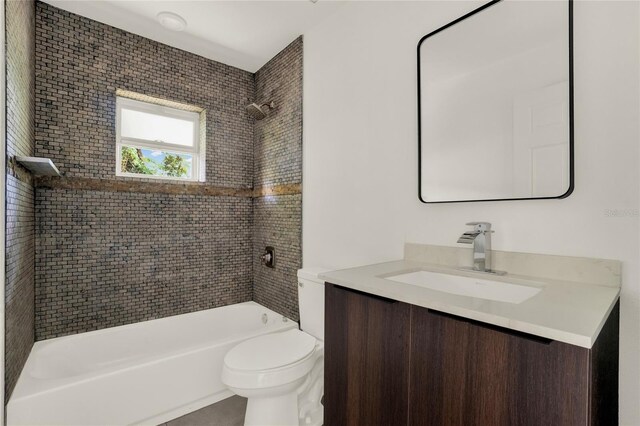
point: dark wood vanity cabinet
(390, 363)
(469, 373)
(366, 359)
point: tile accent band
(112, 185)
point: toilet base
(293, 404)
(272, 411)
(296, 403)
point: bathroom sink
(467, 286)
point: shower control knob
(268, 257)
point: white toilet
(281, 374)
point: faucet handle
(481, 226)
(468, 237)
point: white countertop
(565, 311)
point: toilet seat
(270, 360)
(270, 351)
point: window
(158, 141)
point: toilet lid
(270, 351)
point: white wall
(360, 152)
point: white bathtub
(143, 373)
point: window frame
(197, 151)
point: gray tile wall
(79, 65)
(19, 284)
(111, 258)
(278, 137)
(278, 160)
(277, 222)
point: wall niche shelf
(38, 166)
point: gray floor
(228, 412)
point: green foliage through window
(174, 165)
(155, 163)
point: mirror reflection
(495, 119)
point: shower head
(258, 111)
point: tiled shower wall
(106, 258)
(278, 161)
(79, 65)
(112, 258)
(19, 284)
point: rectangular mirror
(495, 104)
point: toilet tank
(311, 301)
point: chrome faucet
(480, 237)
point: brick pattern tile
(19, 283)
(277, 220)
(104, 258)
(19, 289)
(110, 258)
(80, 64)
(278, 137)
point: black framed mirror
(495, 104)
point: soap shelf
(38, 166)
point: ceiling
(244, 34)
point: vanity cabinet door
(467, 373)
(366, 359)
